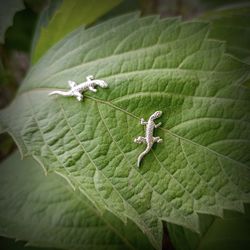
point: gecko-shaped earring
(77, 89)
(149, 138)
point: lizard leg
(158, 125)
(140, 140)
(92, 89)
(72, 84)
(78, 96)
(89, 78)
(143, 122)
(157, 139)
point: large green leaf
(69, 16)
(202, 166)
(232, 25)
(229, 233)
(47, 213)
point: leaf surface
(202, 166)
(45, 212)
(69, 16)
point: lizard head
(90, 77)
(101, 83)
(156, 115)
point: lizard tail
(140, 157)
(58, 92)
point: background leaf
(43, 21)
(69, 16)
(232, 25)
(9, 244)
(150, 64)
(47, 213)
(19, 36)
(219, 3)
(7, 12)
(229, 233)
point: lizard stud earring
(76, 90)
(149, 138)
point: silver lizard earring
(149, 138)
(77, 89)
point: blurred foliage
(7, 146)
(124, 7)
(59, 26)
(7, 11)
(14, 54)
(20, 34)
(230, 233)
(43, 20)
(9, 244)
(15, 50)
(231, 24)
(185, 9)
(209, 4)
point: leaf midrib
(118, 192)
(24, 89)
(52, 152)
(87, 156)
(151, 187)
(108, 224)
(121, 98)
(130, 114)
(134, 116)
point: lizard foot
(140, 140)
(143, 122)
(92, 89)
(79, 98)
(157, 139)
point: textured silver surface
(149, 138)
(77, 89)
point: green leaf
(69, 16)
(7, 12)
(229, 233)
(47, 213)
(232, 25)
(202, 166)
